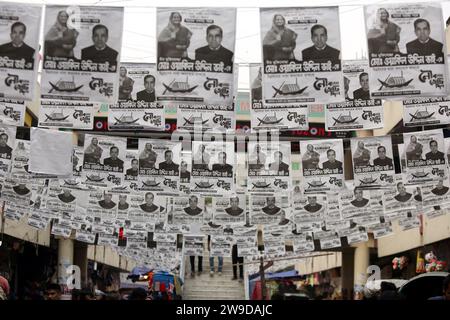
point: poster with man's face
(81, 53)
(230, 210)
(19, 47)
(309, 208)
(188, 210)
(270, 209)
(7, 143)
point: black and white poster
(229, 210)
(185, 172)
(159, 165)
(81, 55)
(67, 114)
(359, 112)
(359, 234)
(62, 199)
(103, 164)
(195, 65)
(409, 223)
(102, 206)
(382, 230)
(309, 208)
(131, 170)
(212, 167)
(407, 52)
(221, 246)
(447, 149)
(146, 209)
(355, 203)
(269, 167)
(77, 167)
(373, 161)
(19, 47)
(333, 241)
(12, 112)
(419, 112)
(274, 246)
(333, 213)
(17, 195)
(188, 210)
(269, 209)
(322, 165)
(270, 116)
(7, 142)
(302, 243)
(20, 158)
(246, 245)
(400, 198)
(301, 49)
(136, 108)
(425, 157)
(193, 245)
(437, 194)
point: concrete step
(216, 297)
(215, 281)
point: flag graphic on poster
(159, 165)
(19, 47)
(67, 114)
(322, 165)
(188, 210)
(269, 116)
(425, 158)
(136, 108)
(269, 167)
(268, 209)
(407, 56)
(195, 65)
(212, 167)
(301, 49)
(102, 164)
(7, 142)
(373, 164)
(419, 112)
(12, 112)
(81, 53)
(359, 112)
(229, 210)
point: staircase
(205, 287)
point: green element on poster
(295, 165)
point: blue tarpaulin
(278, 275)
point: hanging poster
(419, 112)
(437, 194)
(81, 53)
(246, 245)
(406, 50)
(330, 242)
(159, 165)
(212, 167)
(400, 198)
(145, 210)
(102, 164)
(19, 46)
(355, 203)
(20, 157)
(333, 213)
(77, 167)
(358, 235)
(12, 112)
(221, 246)
(195, 65)
(301, 49)
(425, 157)
(309, 208)
(270, 116)
(193, 245)
(229, 210)
(136, 108)
(185, 172)
(359, 112)
(373, 161)
(102, 205)
(188, 210)
(67, 114)
(447, 149)
(382, 230)
(267, 209)
(61, 199)
(274, 245)
(322, 165)
(269, 167)
(17, 195)
(302, 243)
(7, 141)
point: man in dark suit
(168, 164)
(193, 209)
(214, 52)
(402, 195)
(424, 45)
(320, 51)
(270, 208)
(21, 189)
(113, 160)
(17, 49)
(5, 150)
(148, 94)
(382, 160)
(149, 206)
(278, 165)
(362, 93)
(100, 52)
(123, 204)
(222, 166)
(66, 196)
(234, 209)
(134, 170)
(107, 202)
(440, 189)
(434, 154)
(185, 175)
(312, 205)
(332, 163)
(359, 200)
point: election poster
(146, 209)
(418, 112)
(136, 108)
(333, 241)
(268, 209)
(7, 142)
(301, 49)
(75, 181)
(271, 116)
(407, 56)
(400, 198)
(19, 49)
(81, 53)
(269, 167)
(12, 112)
(309, 208)
(193, 245)
(302, 243)
(373, 162)
(437, 194)
(322, 165)
(188, 210)
(67, 114)
(159, 165)
(185, 172)
(359, 111)
(229, 210)
(220, 246)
